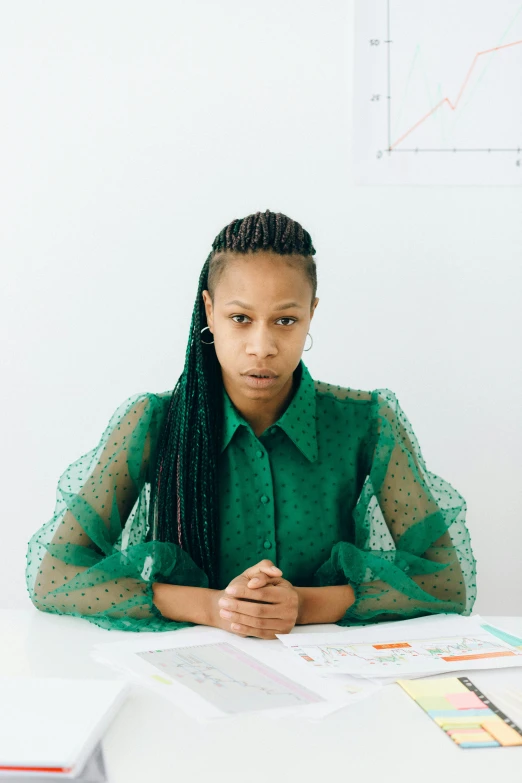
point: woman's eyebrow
(249, 307)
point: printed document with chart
(427, 645)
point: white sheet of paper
(429, 645)
(212, 673)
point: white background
(131, 133)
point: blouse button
(264, 499)
(267, 544)
(273, 430)
(259, 453)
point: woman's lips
(259, 383)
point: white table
(383, 738)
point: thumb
(265, 567)
(261, 580)
(263, 577)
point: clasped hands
(258, 602)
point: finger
(266, 566)
(261, 580)
(229, 607)
(264, 576)
(260, 633)
(272, 593)
(245, 621)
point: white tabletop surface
(386, 737)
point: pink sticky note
(465, 731)
(463, 701)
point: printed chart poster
(438, 92)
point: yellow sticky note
(475, 736)
(426, 687)
(444, 720)
(459, 726)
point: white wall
(131, 134)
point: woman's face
(260, 319)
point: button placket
(266, 525)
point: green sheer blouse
(335, 492)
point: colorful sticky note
(460, 713)
(502, 732)
(464, 713)
(491, 744)
(480, 736)
(459, 726)
(440, 687)
(429, 703)
(460, 730)
(467, 700)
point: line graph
(228, 678)
(453, 106)
(438, 77)
(415, 655)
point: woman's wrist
(185, 604)
(323, 604)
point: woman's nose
(261, 341)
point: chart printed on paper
(413, 655)
(228, 678)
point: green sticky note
(434, 703)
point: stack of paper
(51, 728)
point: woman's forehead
(273, 270)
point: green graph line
(403, 101)
(418, 63)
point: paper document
(212, 673)
(405, 648)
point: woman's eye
(246, 316)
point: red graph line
(447, 100)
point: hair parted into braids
(184, 490)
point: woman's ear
(208, 308)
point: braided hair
(184, 489)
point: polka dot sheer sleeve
(411, 553)
(92, 559)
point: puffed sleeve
(411, 554)
(92, 559)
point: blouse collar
(298, 420)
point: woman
(251, 497)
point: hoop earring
(203, 341)
(312, 339)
